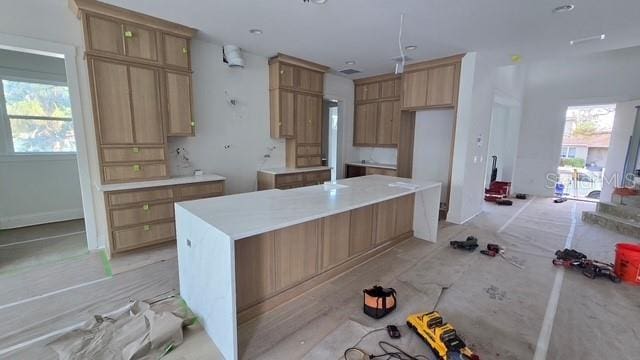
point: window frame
(6, 121)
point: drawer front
(135, 197)
(124, 173)
(308, 150)
(133, 154)
(324, 175)
(308, 161)
(288, 179)
(143, 235)
(201, 190)
(380, 171)
(141, 214)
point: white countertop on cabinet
(373, 164)
(164, 182)
(285, 170)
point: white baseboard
(40, 218)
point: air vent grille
(350, 71)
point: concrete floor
(503, 311)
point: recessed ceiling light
(350, 62)
(587, 39)
(410, 47)
(563, 8)
(255, 31)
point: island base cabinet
(335, 239)
(361, 230)
(255, 271)
(296, 249)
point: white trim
(69, 53)
(40, 218)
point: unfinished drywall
(41, 188)
(622, 130)
(552, 86)
(432, 147)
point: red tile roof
(595, 140)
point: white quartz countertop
(164, 182)
(243, 215)
(279, 171)
(373, 164)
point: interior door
(110, 83)
(146, 105)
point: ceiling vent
(350, 71)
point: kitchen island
(244, 254)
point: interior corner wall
(616, 155)
(552, 86)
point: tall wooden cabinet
(140, 76)
(296, 93)
(377, 112)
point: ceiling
(367, 30)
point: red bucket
(628, 263)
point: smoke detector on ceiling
(232, 56)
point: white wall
(432, 147)
(551, 87)
(35, 188)
(342, 89)
(617, 153)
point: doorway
(585, 145)
(503, 144)
(330, 141)
(42, 219)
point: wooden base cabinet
(144, 217)
(275, 266)
(269, 180)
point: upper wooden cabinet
(176, 51)
(178, 100)
(377, 112)
(295, 97)
(431, 84)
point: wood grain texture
(146, 105)
(146, 213)
(138, 197)
(388, 124)
(132, 154)
(142, 43)
(404, 214)
(361, 231)
(128, 172)
(198, 190)
(178, 98)
(255, 269)
(365, 124)
(372, 170)
(145, 235)
(296, 253)
(385, 213)
(405, 144)
(441, 86)
(414, 88)
(177, 51)
(335, 239)
(104, 35)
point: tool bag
(379, 301)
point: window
(568, 152)
(39, 117)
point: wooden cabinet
(295, 96)
(404, 214)
(377, 111)
(146, 105)
(394, 218)
(178, 101)
(335, 239)
(143, 217)
(296, 253)
(255, 269)
(176, 51)
(358, 169)
(109, 36)
(104, 35)
(270, 180)
(361, 230)
(431, 84)
(140, 42)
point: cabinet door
(365, 124)
(313, 129)
(146, 105)
(104, 35)
(254, 269)
(370, 91)
(404, 214)
(335, 239)
(414, 89)
(110, 83)
(176, 51)
(296, 253)
(140, 42)
(178, 97)
(441, 87)
(388, 122)
(390, 88)
(361, 230)
(385, 221)
(286, 73)
(309, 80)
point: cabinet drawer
(143, 235)
(141, 214)
(288, 179)
(201, 190)
(139, 196)
(124, 173)
(308, 161)
(132, 154)
(380, 171)
(324, 175)
(308, 150)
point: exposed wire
(402, 58)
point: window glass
(572, 152)
(39, 117)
